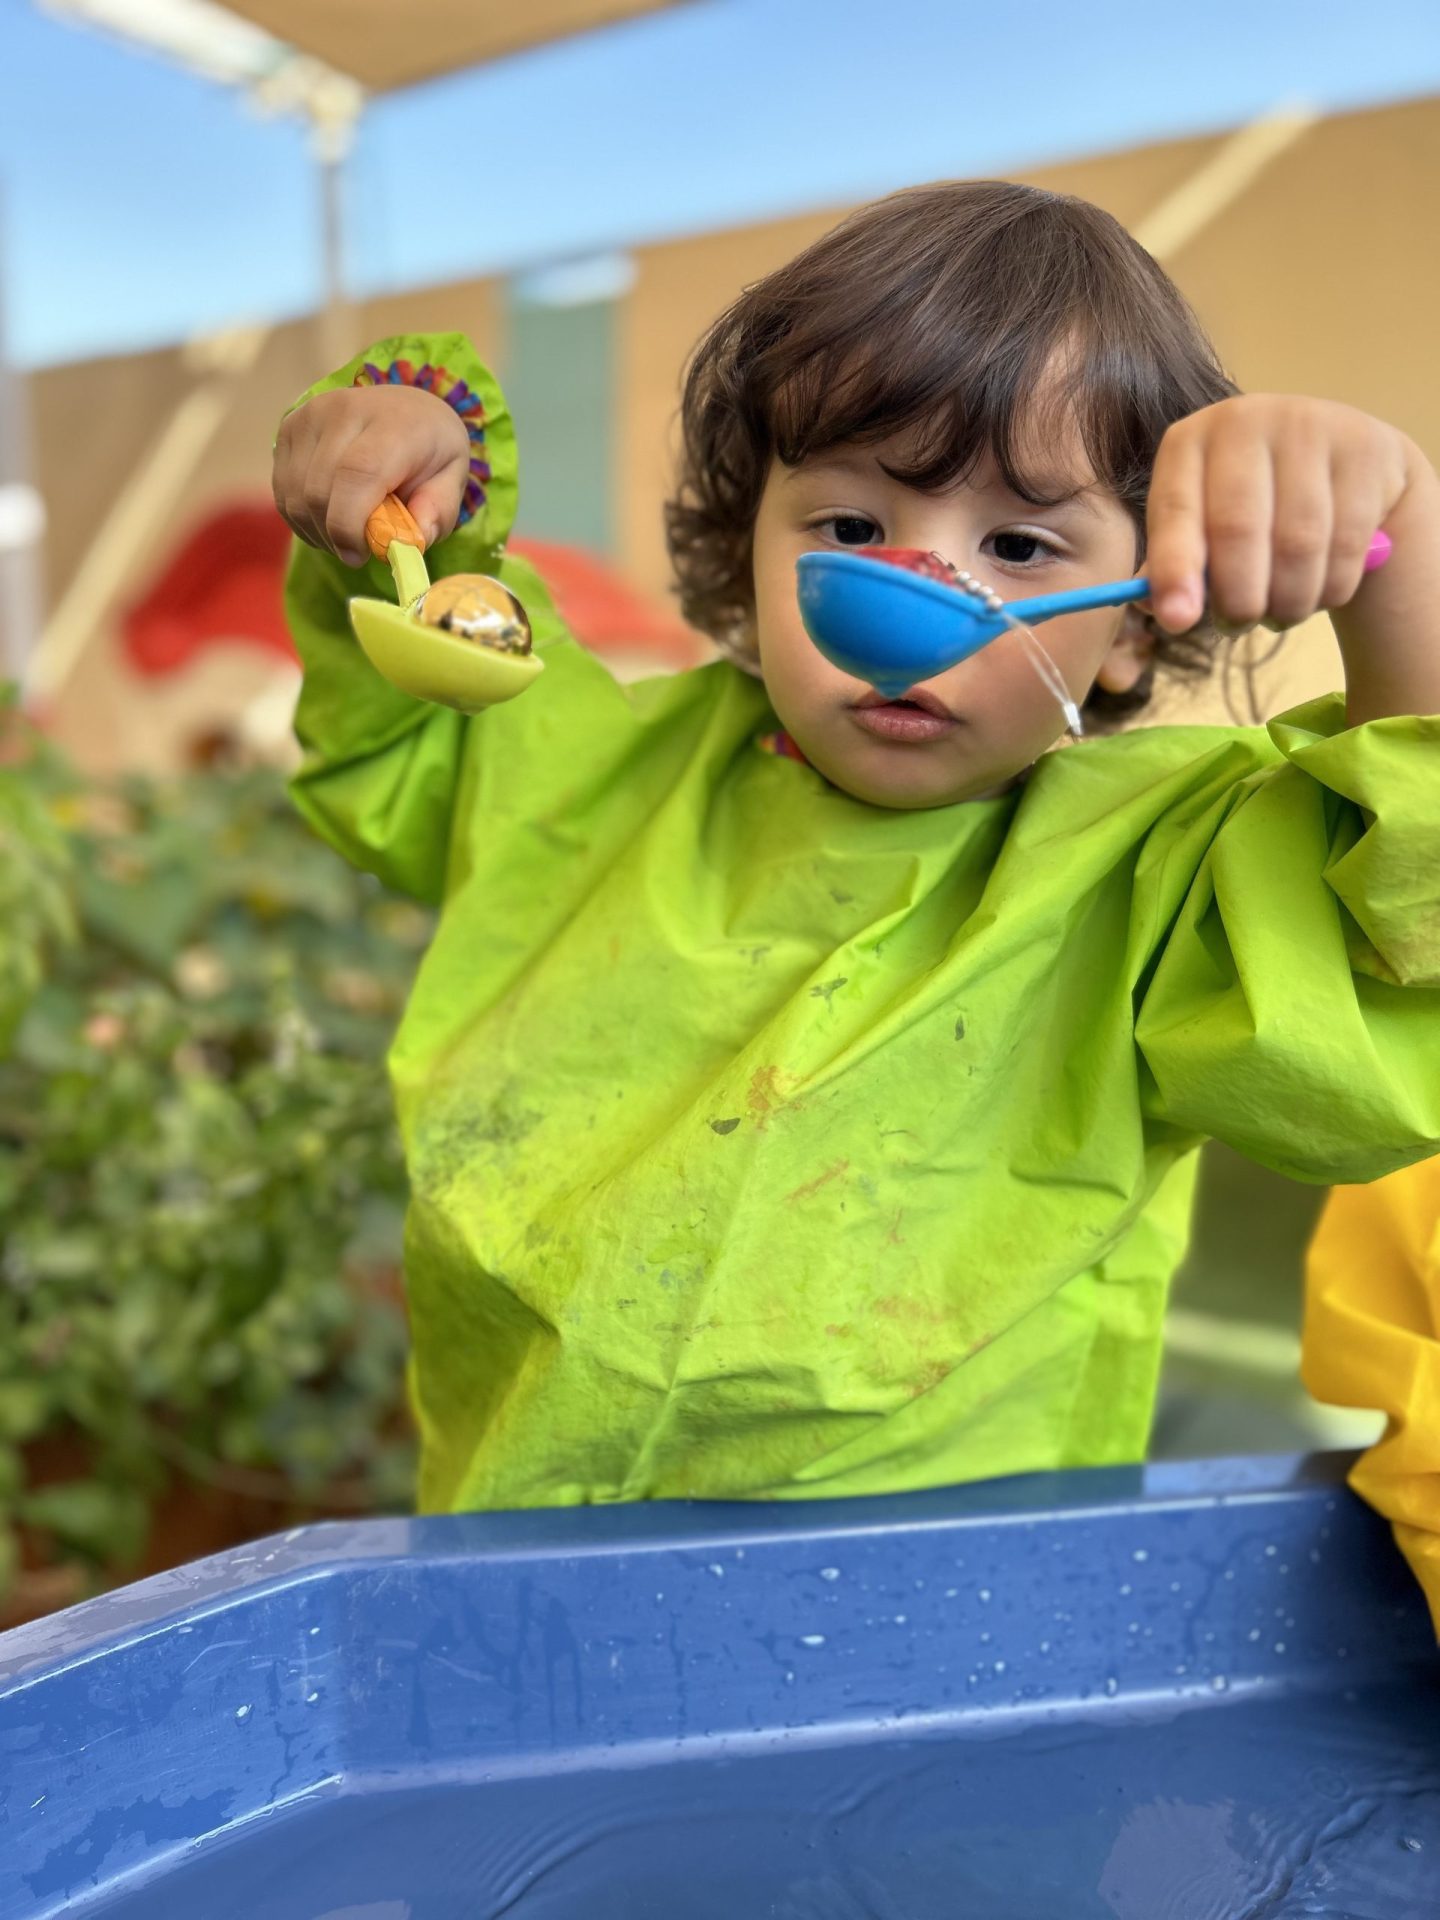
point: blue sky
(141, 204)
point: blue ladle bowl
(895, 630)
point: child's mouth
(918, 716)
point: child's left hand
(1264, 505)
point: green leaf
(148, 916)
(9, 1558)
(78, 1255)
(103, 1522)
(25, 1406)
(11, 1479)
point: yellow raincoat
(767, 1144)
(1372, 1339)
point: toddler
(802, 1092)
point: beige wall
(1323, 276)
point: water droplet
(1181, 1671)
(1270, 1552)
(952, 1593)
(718, 1571)
(1141, 1554)
(242, 1713)
(986, 1595)
(789, 1677)
(1044, 1646)
(985, 1639)
(1000, 1666)
(829, 1573)
(1219, 1684)
(1280, 1646)
(812, 1639)
(1174, 1586)
(901, 1618)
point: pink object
(1378, 551)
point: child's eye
(1018, 549)
(850, 529)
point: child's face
(1001, 718)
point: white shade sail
(383, 45)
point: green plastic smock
(768, 1144)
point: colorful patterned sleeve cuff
(455, 393)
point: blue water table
(1185, 1693)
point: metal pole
(22, 512)
(334, 307)
(333, 108)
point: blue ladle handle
(1045, 606)
(1120, 593)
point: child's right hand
(338, 456)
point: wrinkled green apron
(767, 1144)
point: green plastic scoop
(421, 659)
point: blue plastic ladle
(895, 630)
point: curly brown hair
(937, 310)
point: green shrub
(34, 901)
(200, 1184)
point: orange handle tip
(392, 520)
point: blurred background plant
(34, 898)
(200, 1184)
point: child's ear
(1131, 654)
